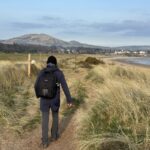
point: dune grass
(121, 111)
(79, 98)
(95, 77)
(113, 103)
(16, 95)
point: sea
(139, 60)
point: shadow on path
(68, 115)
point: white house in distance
(142, 53)
(122, 52)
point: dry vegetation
(119, 112)
(112, 102)
(16, 98)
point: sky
(98, 22)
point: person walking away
(47, 88)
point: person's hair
(52, 59)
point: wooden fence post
(29, 65)
(75, 60)
(40, 57)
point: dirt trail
(66, 141)
(31, 140)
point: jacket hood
(51, 67)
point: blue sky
(99, 22)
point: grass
(111, 101)
(95, 77)
(21, 56)
(121, 110)
(15, 96)
(32, 123)
(80, 96)
(89, 61)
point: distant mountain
(36, 39)
(44, 40)
(47, 42)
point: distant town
(17, 48)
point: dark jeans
(45, 125)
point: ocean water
(139, 60)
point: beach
(132, 61)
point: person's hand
(70, 105)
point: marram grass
(15, 96)
(121, 111)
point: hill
(44, 40)
(47, 43)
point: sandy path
(32, 140)
(66, 141)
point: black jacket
(54, 103)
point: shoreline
(124, 60)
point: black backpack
(46, 85)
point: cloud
(27, 25)
(126, 27)
(45, 22)
(50, 18)
(77, 27)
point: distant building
(122, 52)
(142, 53)
(68, 51)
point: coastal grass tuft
(80, 96)
(120, 115)
(16, 95)
(95, 77)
